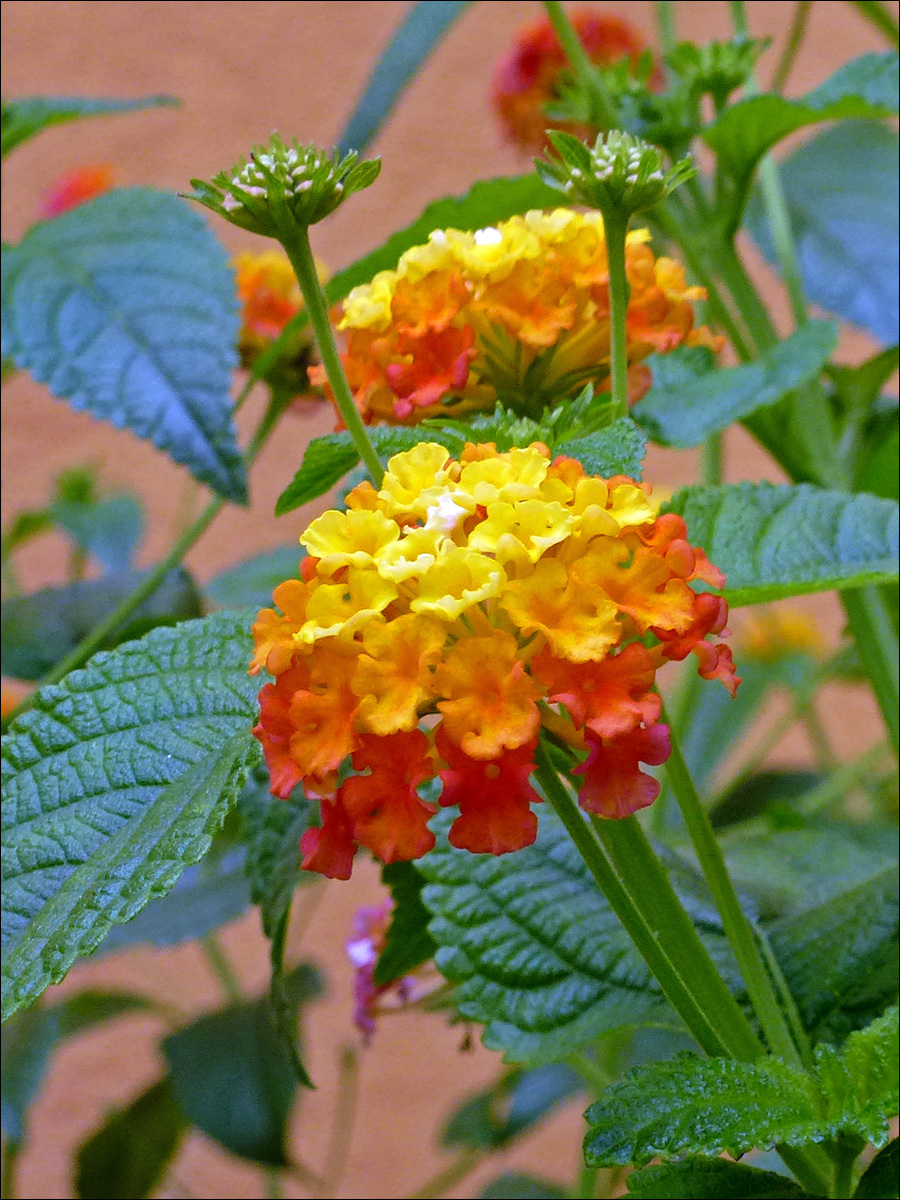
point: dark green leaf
(108, 529)
(841, 193)
(234, 1081)
(40, 629)
(128, 1156)
(30, 1038)
(537, 955)
(113, 783)
(877, 471)
(706, 1106)
(880, 1181)
(273, 829)
(28, 115)
(205, 897)
(493, 1118)
(761, 792)
(617, 450)
(125, 306)
(752, 532)
(408, 944)
(516, 1185)
(690, 400)
(25, 526)
(489, 201)
(863, 88)
(711, 1179)
(422, 28)
(252, 581)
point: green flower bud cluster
(284, 186)
(718, 68)
(620, 174)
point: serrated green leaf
(701, 1106)
(125, 306)
(113, 783)
(422, 28)
(30, 1039)
(860, 1083)
(880, 1180)
(710, 1179)
(779, 540)
(741, 135)
(28, 115)
(538, 957)
(407, 943)
(40, 629)
(204, 898)
(617, 450)
(685, 405)
(233, 1080)
(706, 1106)
(489, 201)
(841, 193)
(272, 829)
(129, 1154)
(252, 581)
(517, 1185)
(496, 1116)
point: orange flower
(445, 618)
(76, 187)
(518, 312)
(526, 80)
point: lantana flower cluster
(527, 77)
(518, 313)
(444, 619)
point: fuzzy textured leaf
(841, 193)
(125, 306)
(422, 28)
(751, 532)
(880, 1180)
(40, 629)
(407, 943)
(537, 955)
(252, 581)
(691, 1105)
(685, 406)
(486, 203)
(710, 1179)
(28, 115)
(272, 830)
(113, 783)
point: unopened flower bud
(284, 186)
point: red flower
(76, 187)
(614, 784)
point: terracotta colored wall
(243, 70)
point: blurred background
(241, 71)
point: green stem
(646, 881)
(591, 1072)
(586, 842)
(11, 1152)
(222, 968)
(878, 13)
(616, 227)
(826, 759)
(738, 929)
(273, 1183)
(876, 642)
(300, 253)
(844, 1161)
(591, 80)
(845, 778)
(284, 1012)
(665, 24)
(116, 619)
(712, 470)
(783, 237)
(586, 1188)
(343, 1121)
(795, 37)
(451, 1175)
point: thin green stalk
(647, 883)
(343, 1121)
(738, 929)
(843, 780)
(878, 13)
(451, 1175)
(712, 472)
(581, 65)
(844, 1162)
(300, 253)
(616, 227)
(11, 1152)
(590, 1071)
(221, 968)
(826, 759)
(273, 1183)
(665, 24)
(795, 37)
(587, 1183)
(876, 642)
(714, 1042)
(783, 237)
